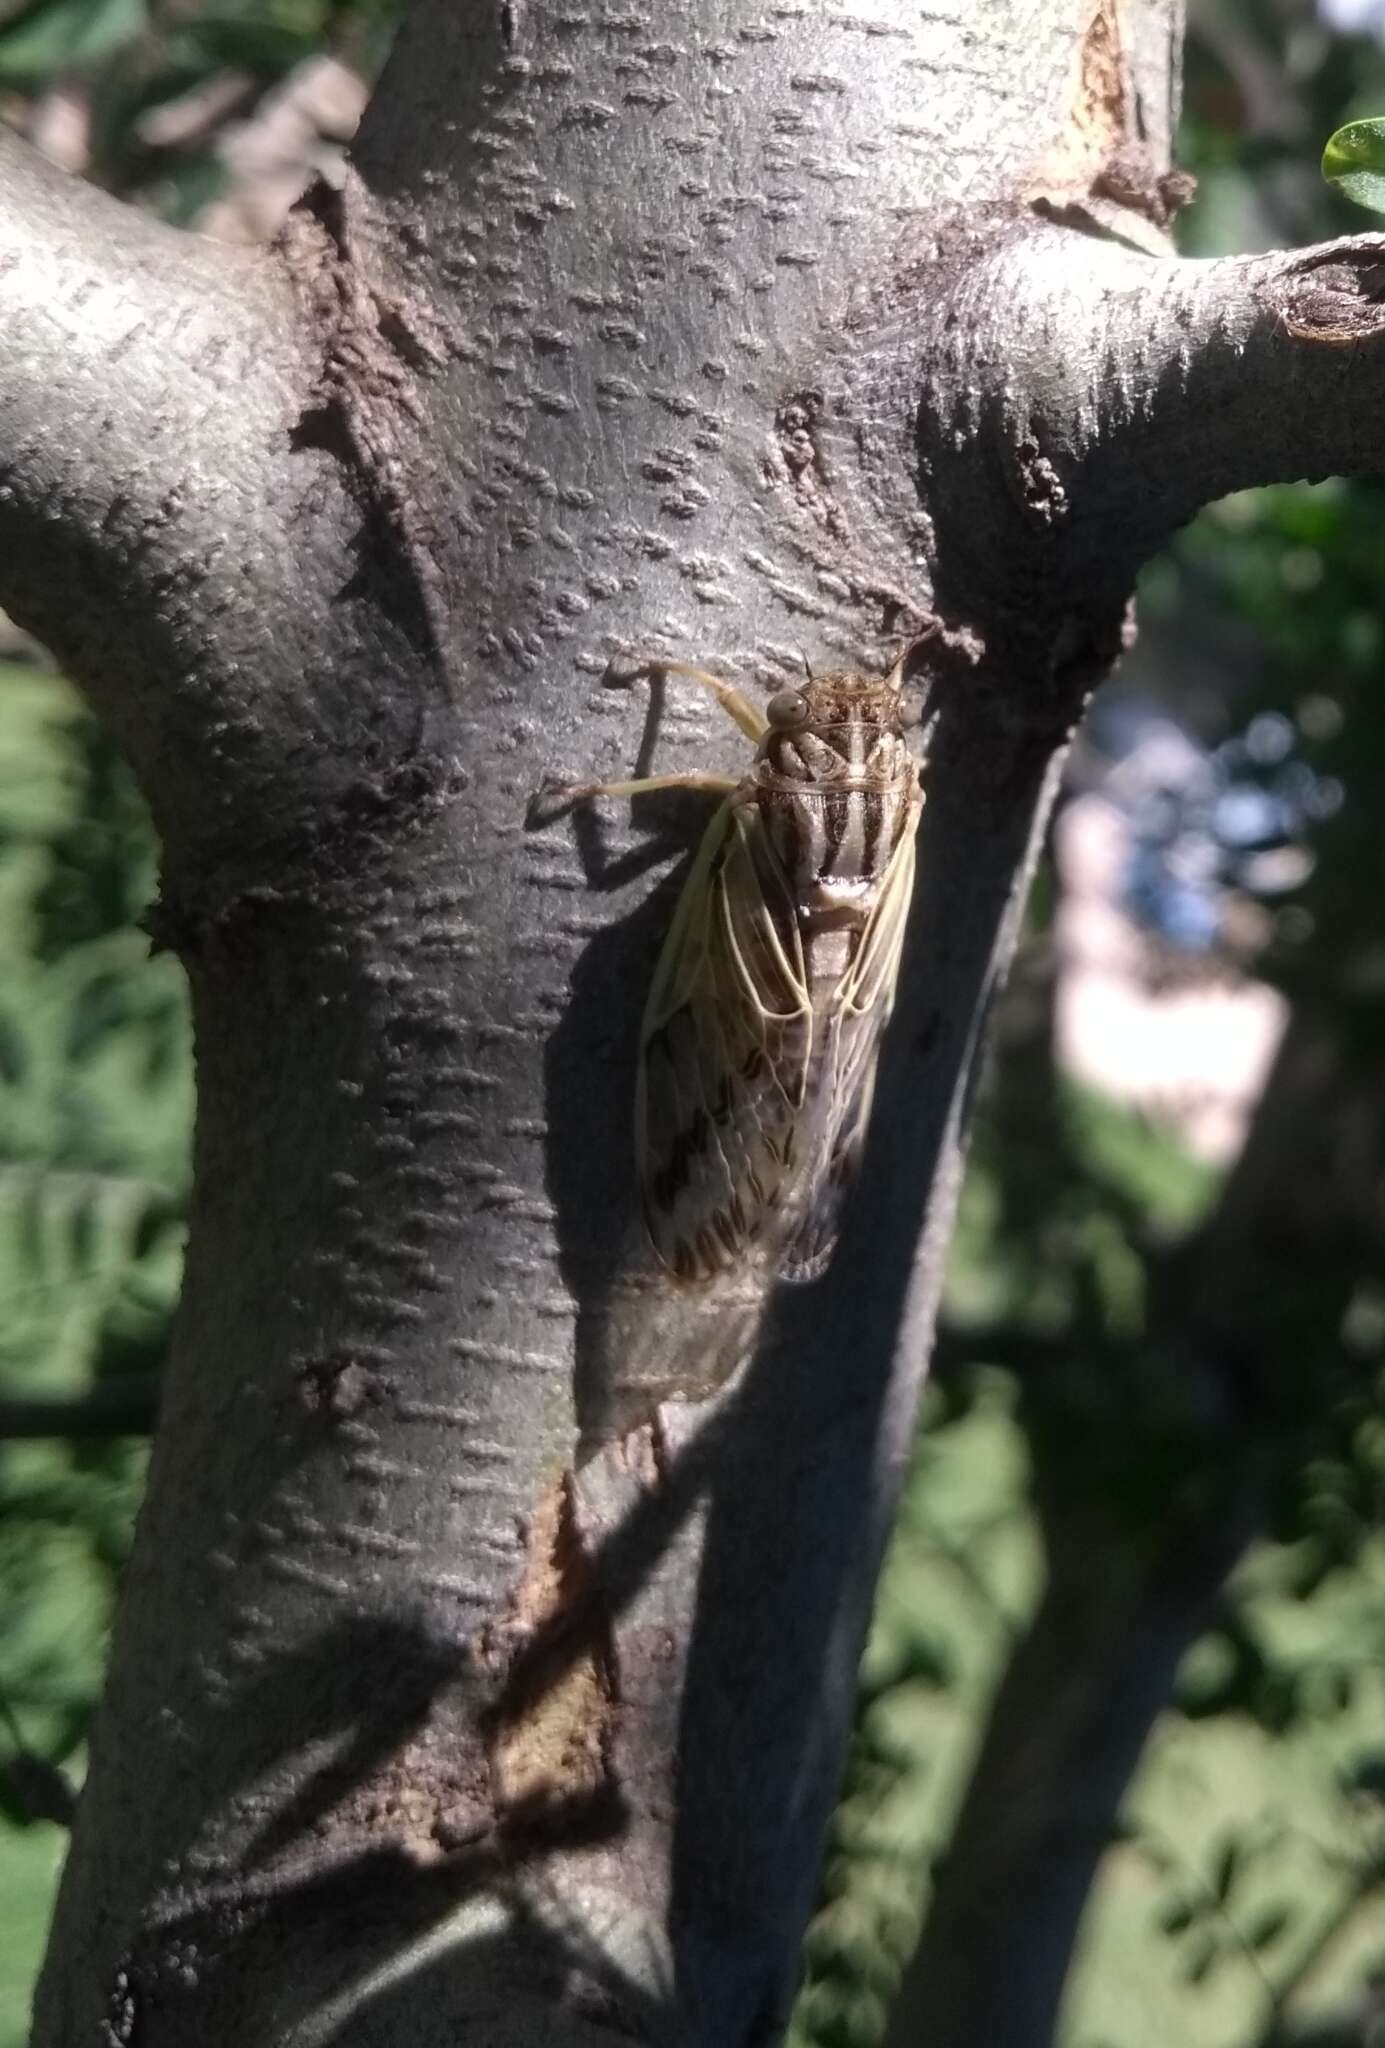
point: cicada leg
(703, 785)
(734, 702)
(737, 706)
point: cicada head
(836, 784)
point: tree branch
(1252, 370)
(1154, 385)
(164, 525)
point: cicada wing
(850, 1028)
(724, 1054)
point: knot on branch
(1335, 295)
(1011, 410)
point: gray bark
(488, 1646)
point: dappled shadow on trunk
(387, 1863)
(430, 1955)
(396, 1853)
(771, 1673)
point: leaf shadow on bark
(777, 1647)
(405, 1762)
(385, 1679)
(424, 1966)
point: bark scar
(551, 1732)
(375, 343)
(337, 1386)
(1336, 298)
(1100, 175)
(796, 434)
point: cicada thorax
(837, 789)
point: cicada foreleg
(734, 702)
(703, 785)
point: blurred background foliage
(1121, 1744)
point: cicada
(760, 1036)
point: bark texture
(489, 1643)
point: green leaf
(1365, 1776)
(250, 43)
(1354, 161)
(57, 34)
(1202, 1960)
(1227, 1864)
(14, 1053)
(1268, 1925)
(1178, 1916)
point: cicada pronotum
(760, 1036)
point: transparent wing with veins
(725, 1056)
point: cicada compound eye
(787, 709)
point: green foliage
(1243, 1885)
(58, 35)
(1261, 88)
(964, 1571)
(160, 87)
(1354, 161)
(95, 1105)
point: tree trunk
(489, 1643)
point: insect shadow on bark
(589, 1084)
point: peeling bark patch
(1130, 180)
(550, 1738)
(588, 114)
(796, 433)
(1040, 485)
(1338, 300)
(234, 924)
